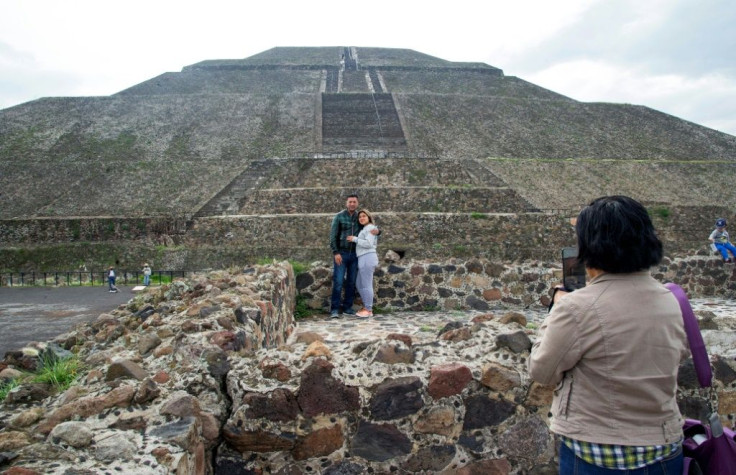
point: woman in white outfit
(365, 249)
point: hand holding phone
(573, 271)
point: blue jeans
(344, 276)
(111, 283)
(571, 465)
(146, 279)
(722, 246)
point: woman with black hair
(613, 349)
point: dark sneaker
(334, 314)
(349, 311)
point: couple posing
(353, 240)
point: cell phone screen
(573, 271)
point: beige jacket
(613, 349)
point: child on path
(111, 279)
(719, 238)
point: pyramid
(264, 149)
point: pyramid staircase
(229, 200)
(357, 114)
(361, 122)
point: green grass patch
(459, 250)
(6, 387)
(660, 211)
(302, 309)
(60, 373)
(477, 215)
(299, 267)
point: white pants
(364, 283)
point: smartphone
(573, 271)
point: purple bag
(709, 448)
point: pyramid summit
(284, 134)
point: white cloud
(698, 99)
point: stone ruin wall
(210, 375)
(483, 285)
(220, 242)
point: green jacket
(344, 225)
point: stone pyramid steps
(283, 208)
(361, 122)
(420, 199)
(229, 199)
(289, 186)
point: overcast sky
(676, 56)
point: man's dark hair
(616, 235)
(352, 196)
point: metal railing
(79, 278)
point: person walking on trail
(345, 260)
(111, 279)
(365, 244)
(146, 274)
(720, 240)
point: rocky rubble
(211, 375)
(153, 398)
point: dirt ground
(41, 313)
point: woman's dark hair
(616, 235)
